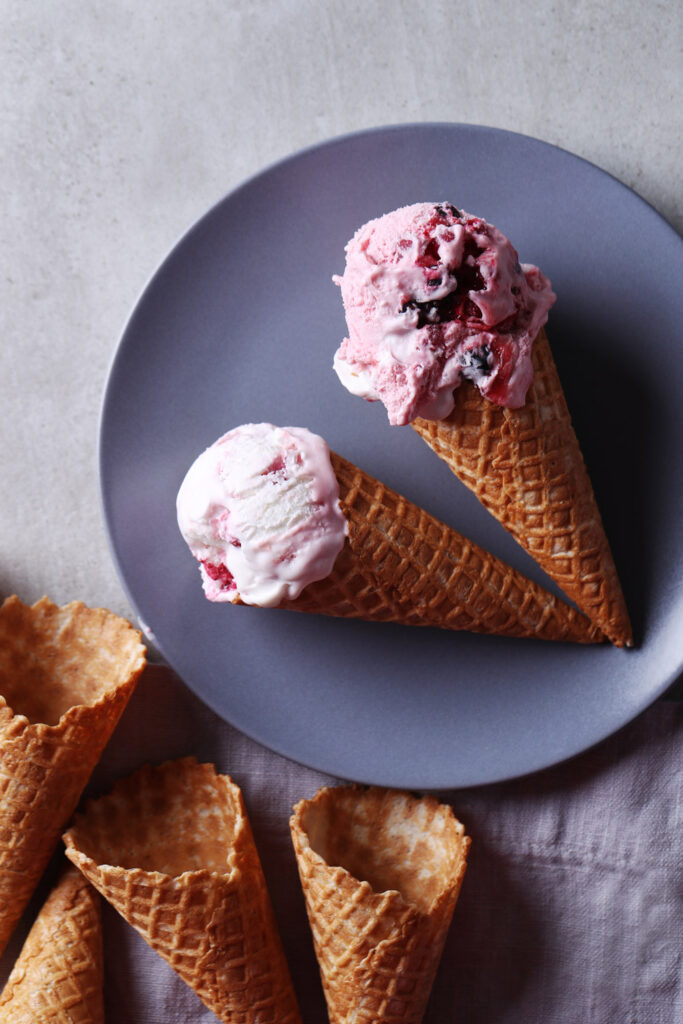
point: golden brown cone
(381, 871)
(171, 848)
(400, 564)
(526, 468)
(66, 675)
(57, 978)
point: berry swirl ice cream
(434, 295)
(260, 511)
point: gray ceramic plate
(240, 324)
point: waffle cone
(171, 848)
(66, 675)
(381, 872)
(526, 468)
(400, 564)
(57, 978)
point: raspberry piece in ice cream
(434, 295)
(220, 574)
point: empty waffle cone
(171, 849)
(400, 564)
(66, 675)
(57, 978)
(526, 468)
(381, 871)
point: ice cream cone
(171, 849)
(66, 675)
(381, 872)
(400, 564)
(57, 978)
(526, 467)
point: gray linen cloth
(570, 911)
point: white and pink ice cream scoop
(434, 295)
(260, 511)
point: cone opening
(391, 840)
(53, 659)
(175, 818)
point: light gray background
(122, 122)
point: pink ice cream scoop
(434, 295)
(260, 512)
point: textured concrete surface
(122, 122)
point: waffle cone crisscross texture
(400, 564)
(381, 872)
(57, 978)
(526, 468)
(66, 675)
(171, 849)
